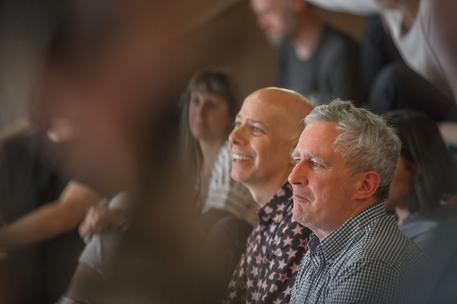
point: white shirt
(417, 47)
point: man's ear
(367, 185)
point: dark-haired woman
(425, 175)
(228, 210)
(209, 109)
(425, 178)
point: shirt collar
(337, 241)
(274, 209)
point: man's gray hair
(365, 142)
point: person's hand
(100, 219)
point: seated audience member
(425, 177)
(229, 211)
(30, 180)
(65, 212)
(54, 218)
(344, 162)
(266, 130)
(95, 259)
(423, 34)
(315, 59)
(209, 109)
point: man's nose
(298, 174)
(237, 136)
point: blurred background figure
(209, 107)
(99, 67)
(29, 179)
(421, 32)
(315, 59)
(426, 175)
(424, 180)
(99, 250)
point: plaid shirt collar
(336, 242)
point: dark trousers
(377, 51)
(398, 87)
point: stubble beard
(290, 29)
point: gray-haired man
(344, 162)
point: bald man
(266, 131)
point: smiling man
(266, 131)
(344, 162)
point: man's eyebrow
(317, 158)
(295, 154)
(258, 122)
(255, 121)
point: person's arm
(358, 7)
(441, 33)
(51, 219)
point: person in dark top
(425, 178)
(425, 175)
(315, 59)
(29, 179)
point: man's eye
(255, 129)
(236, 124)
(314, 164)
(296, 160)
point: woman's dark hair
(426, 156)
(210, 80)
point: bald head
(288, 109)
(266, 131)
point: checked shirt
(366, 260)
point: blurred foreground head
(107, 74)
(103, 85)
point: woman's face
(400, 187)
(209, 117)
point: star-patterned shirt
(267, 270)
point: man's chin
(237, 177)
